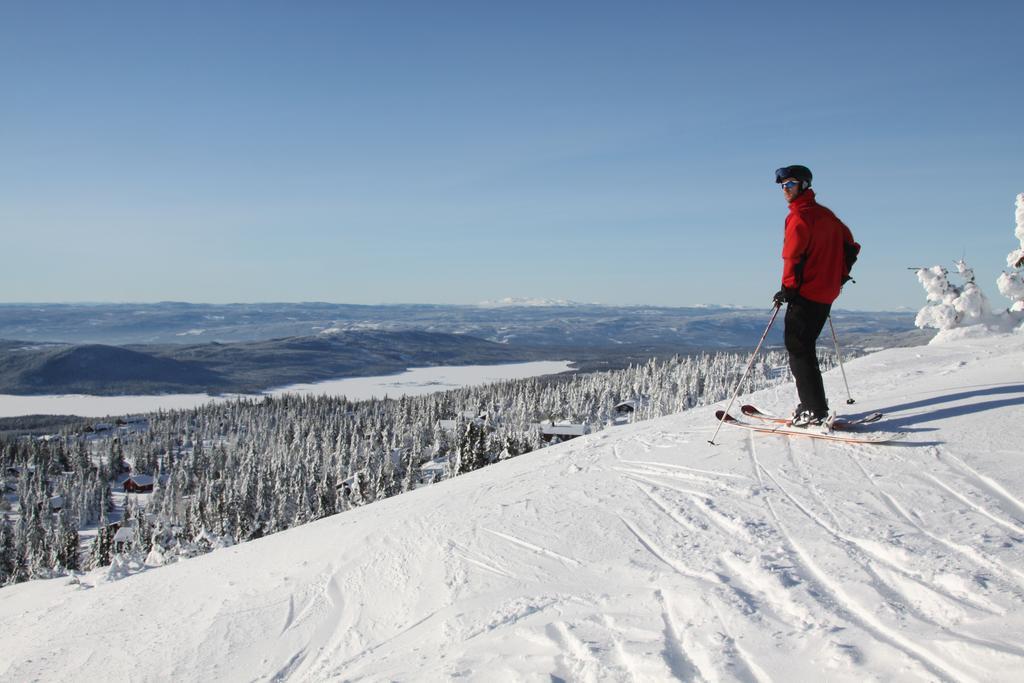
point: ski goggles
(789, 184)
(798, 172)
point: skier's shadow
(907, 422)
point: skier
(818, 252)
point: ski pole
(839, 357)
(739, 384)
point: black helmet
(801, 173)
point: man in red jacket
(817, 253)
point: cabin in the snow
(626, 407)
(123, 538)
(138, 483)
(562, 431)
(433, 471)
(630, 406)
(462, 419)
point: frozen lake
(412, 382)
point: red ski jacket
(817, 250)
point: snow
(636, 553)
(412, 382)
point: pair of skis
(840, 429)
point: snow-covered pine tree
(102, 547)
(64, 542)
(8, 557)
(1011, 284)
(951, 306)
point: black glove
(784, 296)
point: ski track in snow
(993, 487)
(535, 548)
(636, 554)
(847, 603)
(980, 509)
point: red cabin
(139, 483)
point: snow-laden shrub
(123, 565)
(951, 306)
(1011, 285)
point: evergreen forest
(235, 471)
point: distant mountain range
(523, 301)
(180, 347)
(558, 324)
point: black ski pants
(804, 321)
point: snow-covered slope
(638, 553)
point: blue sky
(453, 152)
